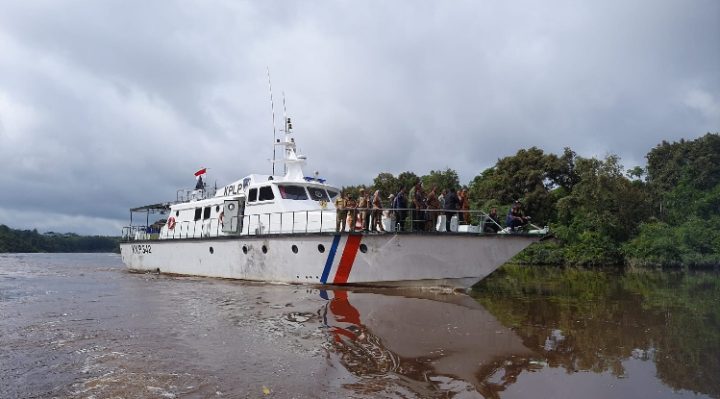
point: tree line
(28, 241)
(665, 214)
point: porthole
(295, 249)
(321, 248)
(245, 249)
(363, 248)
(217, 208)
(212, 251)
(177, 213)
(264, 249)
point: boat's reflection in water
(430, 344)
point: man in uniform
(433, 204)
(419, 203)
(341, 212)
(363, 205)
(350, 207)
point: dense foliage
(664, 214)
(31, 241)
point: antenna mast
(272, 107)
(288, 126)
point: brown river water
(81, 326)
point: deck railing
(399, 221)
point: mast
(288, 128)
(272, 107)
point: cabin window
(198, 214)
(292, 192)
(252, 196)
(333, 194)
(266, 194)
(318, 194)
(206, 213)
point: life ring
(171, 223)
(222, 218)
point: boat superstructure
(283, 229)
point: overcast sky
(107, 105)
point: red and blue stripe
(347, 259)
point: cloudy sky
(107, 105)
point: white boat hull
(454, 261)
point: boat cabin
(256, 204)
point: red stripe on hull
(347, 259)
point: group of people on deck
(422, 208)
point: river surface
(81, 326)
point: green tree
(679, 172)
(603, 210)
(684, 182)
(530, 176)
(12, 240)
(387, 183)
(442, 179)
(407, 180)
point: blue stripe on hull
(331, 257)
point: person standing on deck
(418, 201)
(411, 205)
(351, 207)
(451, 205)
(341, 212)
(464, 206)
(377, 213)
(399, 204)
(362, 205)
(433, 204)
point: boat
(282, 229)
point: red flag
(200, 172)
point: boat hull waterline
(454, 261)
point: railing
(406, 220)
(193, 194)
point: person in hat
(351, 207)
(376, 224)
(341, 212)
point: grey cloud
(109, 105)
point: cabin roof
(161, 207)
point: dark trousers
(400, 220)
(448, 217)
(418, 219)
